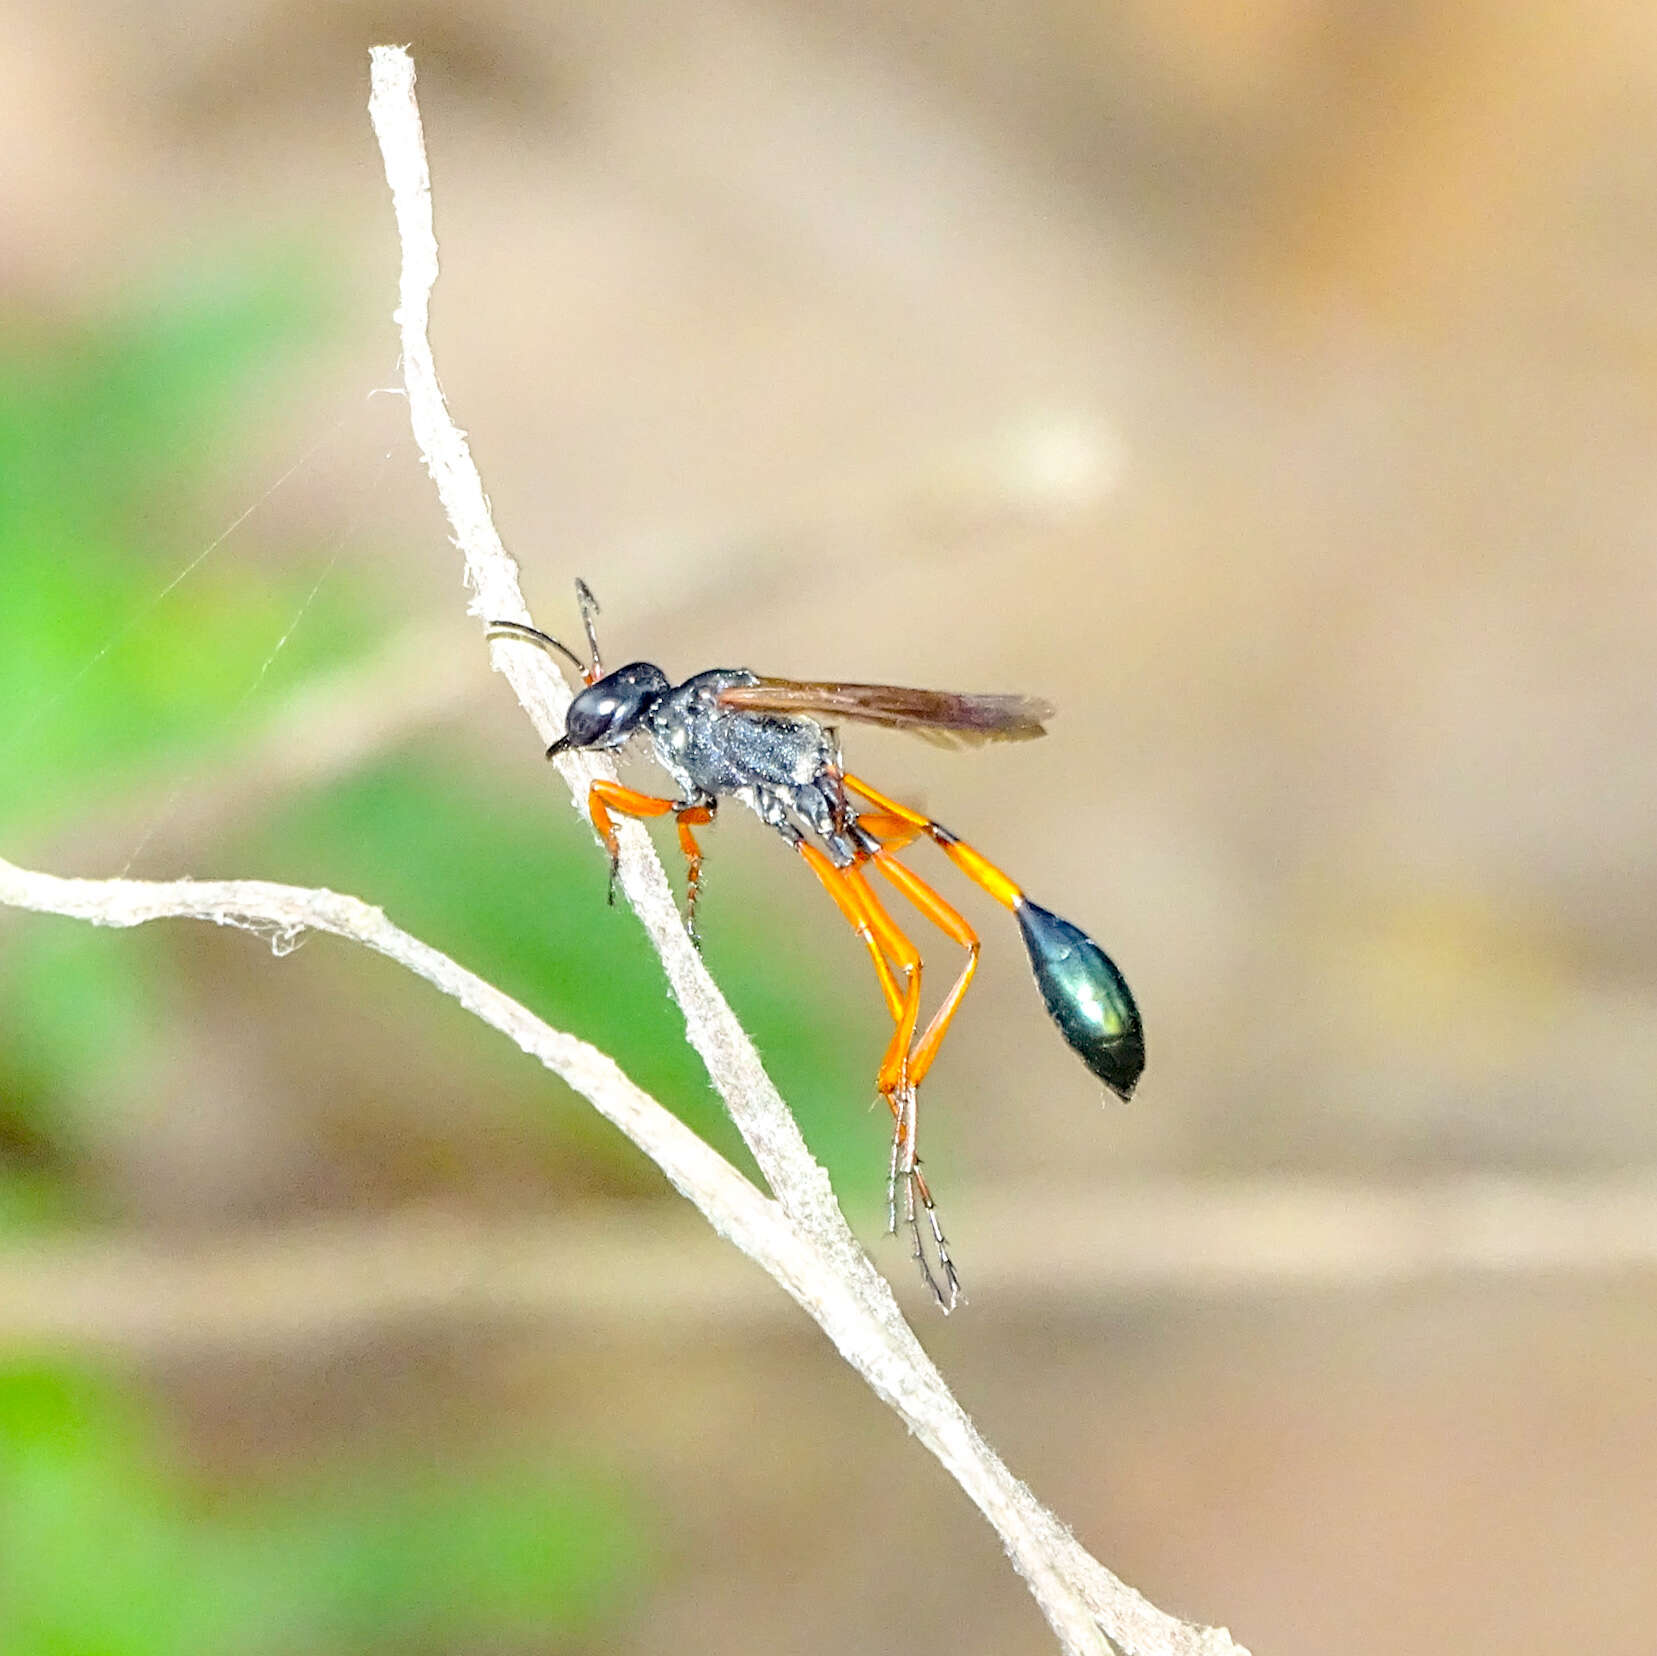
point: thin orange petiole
(977, 867)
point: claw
(693, 891)
(892, 1180)
(905, 1165)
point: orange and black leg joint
(1085, 995)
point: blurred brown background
(1272, 387)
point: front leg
(689, 816)
(606, 797)
(603, 798)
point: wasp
(773, 745)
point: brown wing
(947, 717)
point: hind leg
(897, 965)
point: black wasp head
(605, 714)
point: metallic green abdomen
(1086, 997)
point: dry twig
(799, 1236)
(849, 1299)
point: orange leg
(607, 797)
(896, 831)
(943, 916)
(893, 1075)
(925, 1050)
(886, 945)
(893, 953)
(686, 817)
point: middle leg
(687, 817)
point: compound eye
(593, 719)
(605, 714)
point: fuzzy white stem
(1088, 1607)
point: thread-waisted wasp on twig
(765, 742)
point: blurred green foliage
(519, 896)
(114, 655)
(105, 1551)
(59, 1067)
(123, 655)
(126, 657)
(105, 667)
